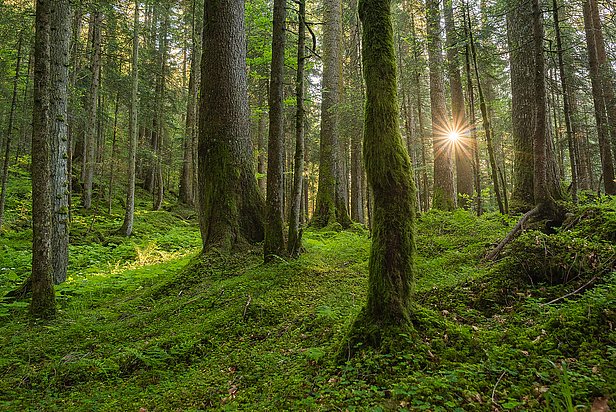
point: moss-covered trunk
(330, 207)
(389, 173)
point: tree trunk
(519, 26)
(389, 173)
(91, 129)
(485, 117)
(471, 108)
(592, 39)
(566, 105)
(186, 181)
(463, 146)
(295, 234)
(330, 206)
(230, 203)
(43, 297)
(129, 215)
(274, 236)
(60, 23)
(113, 153)
(543, 199)
(444, 191)
(159, 136)
(9, 132)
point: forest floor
(147, 324)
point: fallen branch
(246, 307)
(578, 290)
(512, 234)
(494, 388)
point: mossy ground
(146, 323)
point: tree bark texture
(43, 296)
(91, 129)
(444, 191)
(230, 204)
(274, 226)
(295, 235)
(463, 148)
(598, 87)
(129, 215)
(330, 207)
(522, 63)
(389, 173)
(60, 34)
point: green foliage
(177, 330)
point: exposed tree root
(21, 292)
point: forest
(307, 205)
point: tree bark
(186, 182)
(389, 172)
(60, 32)
(91, 129)
(43, 297)
(597, 83)
(230, 204)
(330, 206)
(295, 234)
(129, 215)
(485, 117)
(566, 105)
(274, 236)
(463, 146)
(9, 132)
(444, 191)
(519, 26)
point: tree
(43, 297)
(519, 25)
(331, 206)
(91, 131)
(10, 129)
(274, 237)
(462, 148)
(295, 235)
(389, 173)
(187, 176)
(231, 207)
(129, 215)
(600, 83)
(60, 32)
(444, 192)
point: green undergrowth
(174, 330)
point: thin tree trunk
(9, 132)
(444, 191)
(91, 129)
(129, 216)
(473, 119)
(463, 146)
(485, 120)
(113, 151)
(607, 161)
(295, 234)
(274, 236)
(566, 106)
